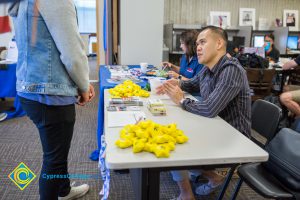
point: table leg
(145, 183)
(237, 189)
(153, 184)
(139, 183)
(227, 181)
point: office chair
(260, 81)
(265, 119)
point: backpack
(284, 159)
(251, 60)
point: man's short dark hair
(216, 30)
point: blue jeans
(55, 125)
(180, 175)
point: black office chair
(265, 119)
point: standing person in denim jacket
(52, 75)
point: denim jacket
(51, 54)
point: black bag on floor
(284, 159)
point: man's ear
(220, 43)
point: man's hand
(174, 92)
(173, 74)
(85, 97)
(161, 89)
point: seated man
(291, 96)
(224, 88)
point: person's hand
(160, 90)
(85, 97)
(173, 74)
(173, 81)
(174, 92)
(271, 61)
(166, 65)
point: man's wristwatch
(180, 77)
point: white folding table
(212, 143)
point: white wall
(197, 11)
(101, 57)
(5, 38)
(141, 31)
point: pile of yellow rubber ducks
(128, 89)
(151, 137)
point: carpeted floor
(19, 142)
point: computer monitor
(238, 41)
(292, 42)
(258, 41)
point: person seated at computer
(291, 96)
(189, 65)
(270, 50)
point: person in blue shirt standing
(189, 65)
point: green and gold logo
(22, 176)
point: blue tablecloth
(104, 74)
(8, 89)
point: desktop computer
(292, 42)
(238, 41)
(258, 41)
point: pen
(137, 120)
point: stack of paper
(120, 119)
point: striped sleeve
(227, 88)
(191, 85)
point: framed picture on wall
(247, 17)
(290, 19)
(220, 19)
